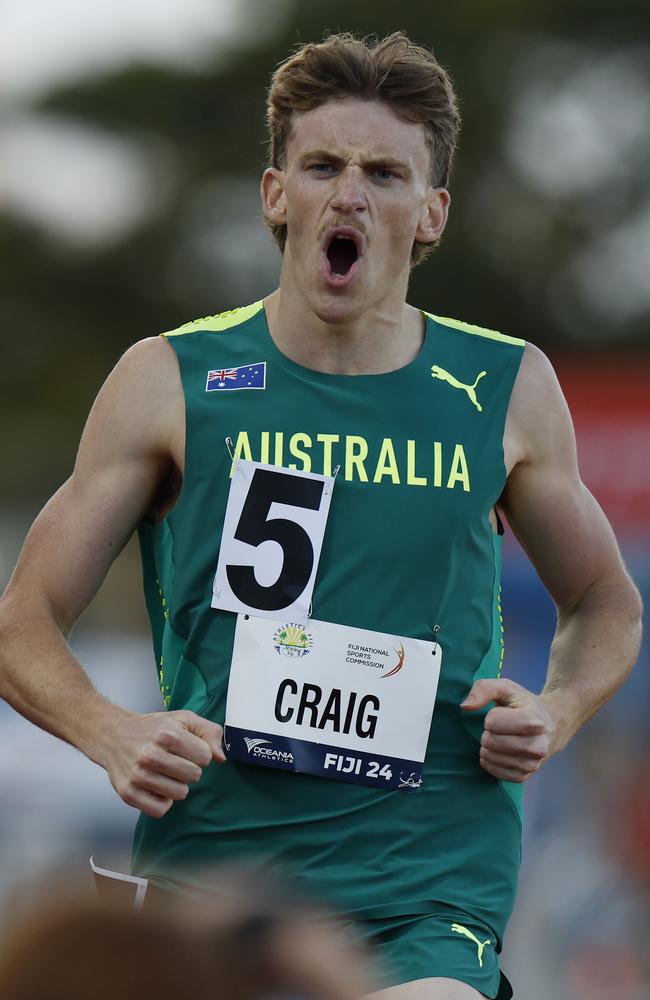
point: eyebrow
(377, 162)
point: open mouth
(342, 253)
(343, 250)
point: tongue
(342, 254)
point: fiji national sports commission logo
(292, 640)
(400, 662)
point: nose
(349, 195)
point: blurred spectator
(72, 945)
(585, 887)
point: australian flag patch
(244, 377)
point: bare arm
(133, 438)
(571, 544)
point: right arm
(133, 440)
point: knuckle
(129, 794)
(168, 738)
(146, 758)
(185, 717)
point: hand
(519, 733)
(152, 759)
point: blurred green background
(131, 146)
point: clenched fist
(152, 759)
(520, 732)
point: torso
(408, 545)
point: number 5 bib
(272, 538)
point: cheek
(400, 230)
(299, 214)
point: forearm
(596, 645)
(41, 679)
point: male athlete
(418, 430)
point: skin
(130, 463)
(437, 988)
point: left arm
(571, 545)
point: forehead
(351, 125)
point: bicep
(123, 454)
(557, 520)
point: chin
(337, 309)
(341, 306)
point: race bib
(330, 700)
(271, 542)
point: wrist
(98, 735)
(564, 711)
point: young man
(418, 429)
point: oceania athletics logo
(252, 743)
(292, 640)
(259, 749)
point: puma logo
(438, 372)
(459, 929)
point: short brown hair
(394, 70)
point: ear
(274, 200)
(433, 218)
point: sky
(52, 168)
(45, 44)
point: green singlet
(408, 547)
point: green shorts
(434, 944)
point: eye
(383, 173)
(321, 168)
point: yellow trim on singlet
(233, 317)
(219, 322)
(479, 331)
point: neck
(386, 337)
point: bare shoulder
(125, 461)
(148, 370)
(556, 519)
(538, 422)
(141, 401)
